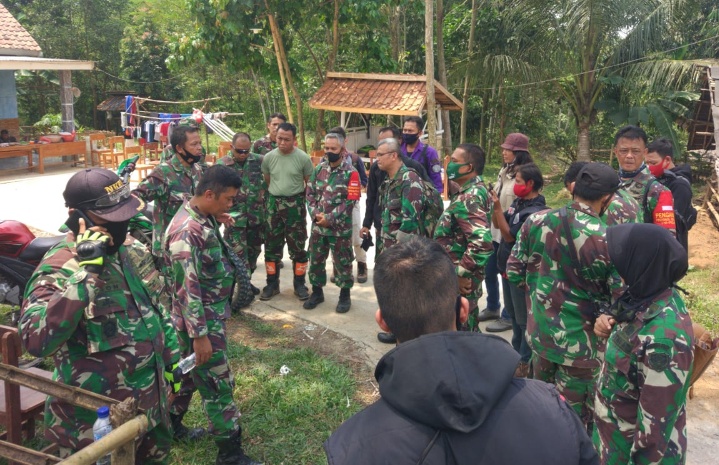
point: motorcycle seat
(38, 248)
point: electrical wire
(138, 82)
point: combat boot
(343, 306)
(230, 451)
(299, 282)
(317, 297)
(182, 433)
(361, 272)
(273, 281)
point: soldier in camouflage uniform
(656, 204)
(565, 281)
(622, 208)
(168, 183)
(201, 277)
(286, 170)
(463, 228)
(268, 143)
(401, 197)
(330, 204)
(91, 305)
(247, 233)
(640, 407)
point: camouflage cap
(599, 177)
(102, 193)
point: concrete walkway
(36, 200)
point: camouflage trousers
(341, 248)
(246, 241)
(214, 382)
(576, 385)
(473, 298)
(286, 221)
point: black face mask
(410, 139)
(118, 231)
(332, 157)
(189, 158)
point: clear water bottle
(187, 363)
(102, 428)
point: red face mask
(523, 190)
(657, 170)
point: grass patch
(703, 298)
(285, 419)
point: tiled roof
(113, 103)
(14, 39)
(388, 94)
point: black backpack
(683, 220)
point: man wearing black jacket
(660, 160)
(373, 214)
(449, 397)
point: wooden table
(60, 149)
(18, 151)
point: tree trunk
(331, 59)
(583, 153)
(429, 71)
(276, 43)
(482, 120)
(442, 69)
(465, 93)
(259, 94)
(394, 28)
(295, 94)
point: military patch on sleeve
(436, 168)
(658, 358)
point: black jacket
(373, 213)
(678, 182)
(462, 385)
(684, 171)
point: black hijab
(649, 260)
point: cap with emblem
(599, 177)
(102, 193)
(516, 141)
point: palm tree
(583, 41)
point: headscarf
(649, 260)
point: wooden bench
(60, 149)
(13, 151)
(19, 406)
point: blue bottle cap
(103, 412)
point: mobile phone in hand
(73, 221)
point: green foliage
(49, 123)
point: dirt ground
(703, 408)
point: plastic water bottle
(187, 363)
(102, 428)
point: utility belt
(301, 195)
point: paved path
(36, 200)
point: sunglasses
(241, 151)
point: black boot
(255, 289)
(299, 282)
(181, 432)
(317, 297)
(361, 272)
(230, 451)
(343, 306)
(387, 338)
(273, 281)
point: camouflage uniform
(463, 231)
(562, 307)
(636, 186)
(640, 407)
(248, 209)
(264, 145)
(106, 335)
(201, 277)
(401, 202)
(166, 185)
(622, 209)
(327, 192)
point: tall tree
(429, 71)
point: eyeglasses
(383, 154)
(241, 151)
(109, 200)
